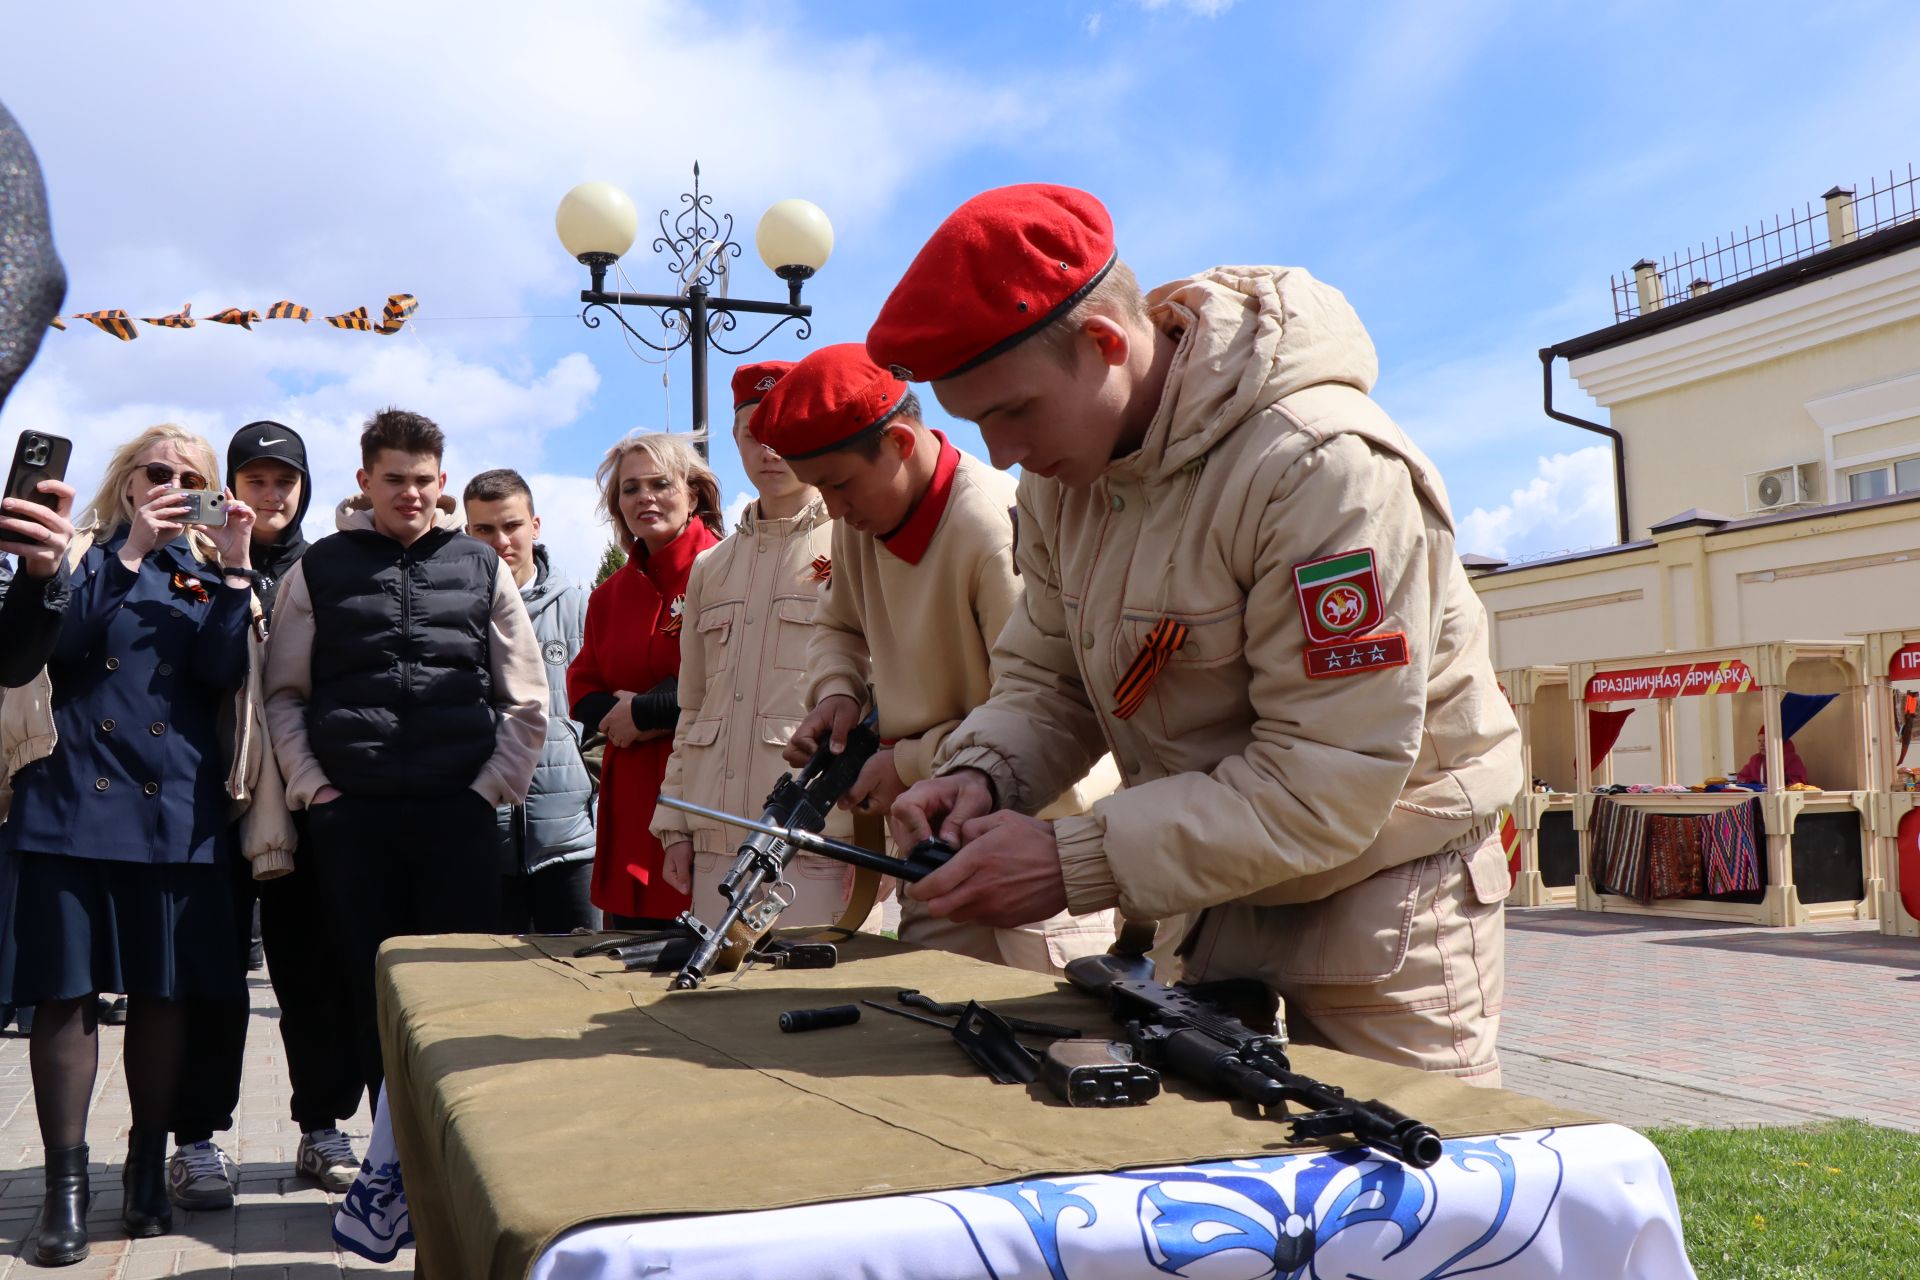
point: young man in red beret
(1242, 581)
(922, 579)
(749, 606)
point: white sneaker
(326, 1156)
(200, 1176)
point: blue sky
(1469, 174)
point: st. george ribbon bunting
(118, 323)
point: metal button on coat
(156, 728)
(176, 613)
(1086, 639)
(1131, 766)
(106, 726)
(113, 664)
(1118, 502)
(737, 697)
(165, 668)
(101, 784)
(152, 788)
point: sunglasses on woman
(161, 473)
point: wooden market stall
(1543, 849)
(1893, 705)
(1783, 855)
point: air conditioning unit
(1779, 488)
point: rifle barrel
(825, 845)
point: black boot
(63, 1214)
(145, 1209)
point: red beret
(825, 400)
(751, 382)
(999, 269)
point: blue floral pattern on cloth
(372, 1220)
(1320, 1216)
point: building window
(1877, 482)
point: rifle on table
(1178, 1033)
(755, 887)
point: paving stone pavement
(281, 1227)
(1651, 1021)
(1643, 1021)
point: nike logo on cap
(264, 441)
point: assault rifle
(755, 887)
(1177, 1033)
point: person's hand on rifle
(877, 787)
(1007, 870)
(1006, 874)
(677, 870)
(835, 717)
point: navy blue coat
(141, 673)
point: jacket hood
(357, 513)
(1247, 337)
(548, 585)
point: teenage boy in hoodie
(922, 581)
(407, 703)
(1241, 580)
(267, 469)
(549, 839)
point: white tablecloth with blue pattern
(1593, 1201)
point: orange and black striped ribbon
(822, 569)
(284, 310)
(181, 319)
(191, 586)
(59, 324)
(354, 319)
(116, 322)
(1131, 693)
(394, 314)
(234, 315)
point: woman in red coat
(664, 505)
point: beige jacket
(743, 653)
(267, 839)
(519, 680)
(1246, 779)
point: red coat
(633, 643)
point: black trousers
(302, 947)
(555, 899)
(397, 865)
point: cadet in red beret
(749, 606)
(921, 582)
(1242, 581)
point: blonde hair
(1117, 297)
(671, 456)
(111, 507)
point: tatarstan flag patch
(1339, 596)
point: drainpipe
(1619, 445)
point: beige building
(1768, 422)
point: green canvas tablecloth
(531, 1092)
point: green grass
(1832, 1202)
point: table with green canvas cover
(531, 1092)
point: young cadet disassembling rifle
(922, 581)
(1241, 580)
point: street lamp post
(597, 223)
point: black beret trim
(884, 415)
(1006, 344)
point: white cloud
(572, 524)
(738, 507)
(1567, 505)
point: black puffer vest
(402, 696)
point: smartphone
(37, 456)
(204, 506)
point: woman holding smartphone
(112, 874)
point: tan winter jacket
(1247, 780)
(743, 654)
(519, 682)
(259, 805)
